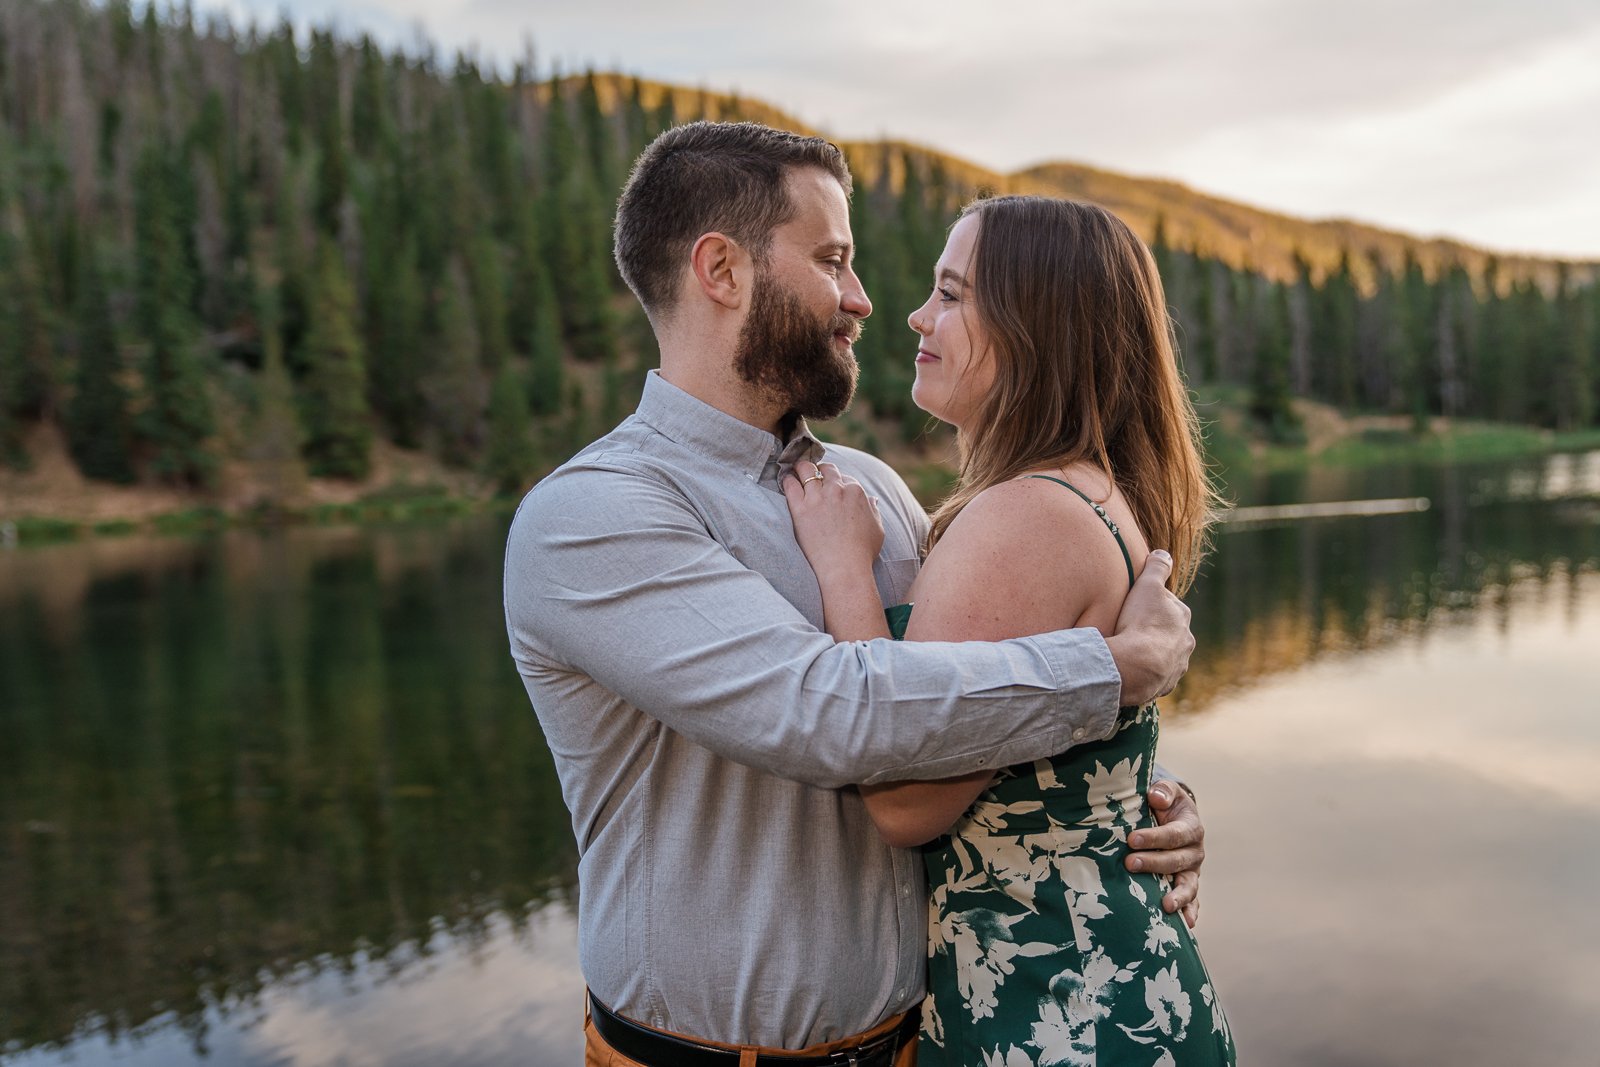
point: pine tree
(275, 436)
(546, 368)
(1489, 344)
(1530, 399)
(489, 302)
(294, 285)
(177, 420)
(1300, 327)
(636, 119)
(32, 389)
(99, 428)
(598, 139)
(1334, 334)
(570, 223)
(332, 167)
(12, 453)
(1269, 378)
(1418, 316)
(510, 452)
(1204, 338)
(334, 392)
(1454, 303)
(454, 388)
(369, 121)
(396, 312)
(1573, 390)
(490, 129)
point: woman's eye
(945, 295)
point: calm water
(278, 799)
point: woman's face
(955, 367)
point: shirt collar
(689, 421)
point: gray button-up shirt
(707, 732)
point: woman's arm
(839, 529)
(1024, 557)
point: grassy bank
(1335, 439)
(1233, 444)
(382, 507)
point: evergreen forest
(226, 247)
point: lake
(277, 797)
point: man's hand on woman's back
(1152, 642)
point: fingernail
(1159, 792)
(1136, 863)
(1161, 554)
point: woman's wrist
(842, 575)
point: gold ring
(817, 477)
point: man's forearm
(631, 591)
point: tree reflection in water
(231, 766)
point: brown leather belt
(656, 1049)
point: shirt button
(1077, 735)
(982, 760)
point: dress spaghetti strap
(1100, 511)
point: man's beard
(791, 356)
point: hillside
(1242, 236)
(260, 270)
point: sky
(1471, 119)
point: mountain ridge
(1242, 235)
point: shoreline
(52, 503)
(402, 504)
(25, 531)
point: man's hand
(1176, 847)
(1152, 642)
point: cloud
(1495, 158)
(1362, 109)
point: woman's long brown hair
(1085, 370)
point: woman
(1046, 343)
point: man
(734, 897)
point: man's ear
(721, 269)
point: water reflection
(1401, 841)
(229, 761)
(272, 797)
(496, 997)
(1274, 597)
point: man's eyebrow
(841, 248)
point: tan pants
(596, 1053)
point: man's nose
(854, 298)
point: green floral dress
(1044, 949)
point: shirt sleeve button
(1077, 735)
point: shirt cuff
(1088, 682)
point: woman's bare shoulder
(1024, 557)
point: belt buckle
(886, 1045)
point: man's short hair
(726, 177)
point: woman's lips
(924, 356)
